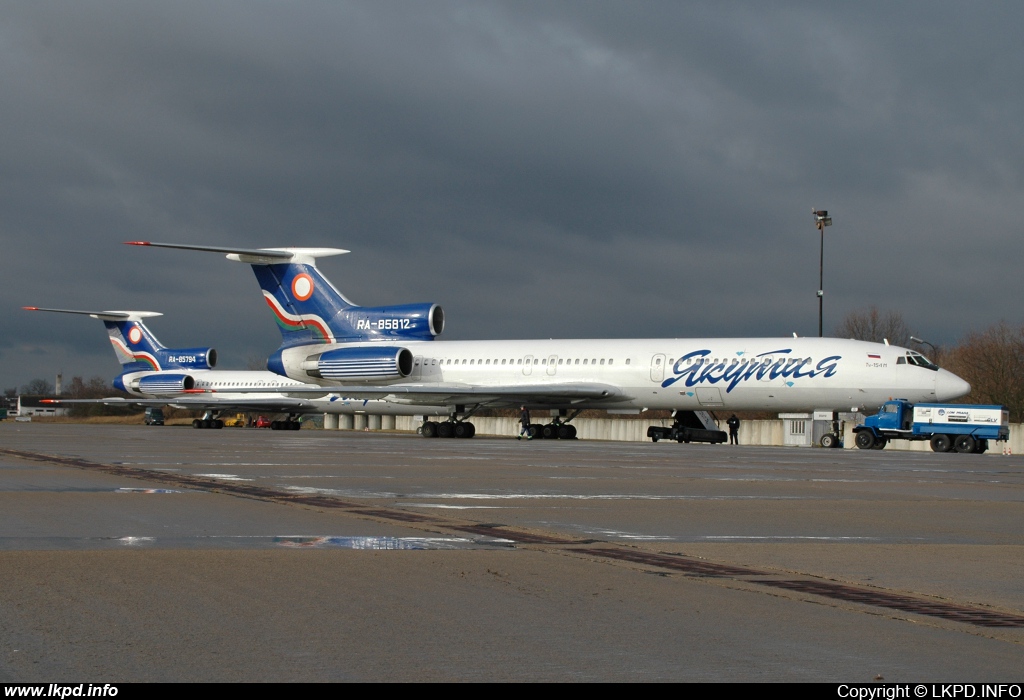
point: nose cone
(948, 386)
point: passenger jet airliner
(185, 378)
(391, 353)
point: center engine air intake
(364, 363)
(160, 383)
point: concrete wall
(752, 432)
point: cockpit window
(916, 358)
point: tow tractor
(961, 427)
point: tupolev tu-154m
(155, 375)
(391, 353)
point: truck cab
(897, 414)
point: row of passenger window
(734, 361)
(241, 384)
(519, 361)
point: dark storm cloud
(540, 169)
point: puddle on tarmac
(381, 543)
(366, 542)
(132, 490)
(225, 477)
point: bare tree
(993, 362)
(875, 327)
(37, 387)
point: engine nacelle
(374, 363)
(162, 384)
(187, 358)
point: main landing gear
(455, 426)
(289, 424)
(557, 429)
(209, 421)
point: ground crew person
(734, 429)
(524, 418)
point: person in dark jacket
(734, 429)
(524, 418)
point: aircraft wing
(280, 404)
(443, 394)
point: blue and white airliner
(391, 353)
(155, 375)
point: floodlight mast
(821, 220)
(935, 350)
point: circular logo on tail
(302, 286)
(135, 335)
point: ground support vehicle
(689, 427)
(236, 421)
(154, 416)
(960, 427)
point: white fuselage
(775, 374)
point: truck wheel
(880, 444)
(941, 443)
(865, 440)
(829, 440)
(965, 444)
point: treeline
(992, 360)
(79, 388)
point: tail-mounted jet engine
(162, 383)
(374, 363)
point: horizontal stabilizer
(254, 255)
(102, 315)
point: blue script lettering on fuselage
(757, 367)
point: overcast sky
(540, 169)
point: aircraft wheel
(207, 423)
(275, 425)
(446, 429)
(865, 440)
(829, 440)
(197, 423)
(549, 432)
(654, 438)
(880, 444)
(429, 429)
(941, 443)
(965, 444)
(534, 430)
(567, 432)
(464, 430)
(218, 424)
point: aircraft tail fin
(134, 344)
(309, 310)
(136, 347)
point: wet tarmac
(133, 553)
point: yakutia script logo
(752, 368)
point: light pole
(935, 350)
(821, 220)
